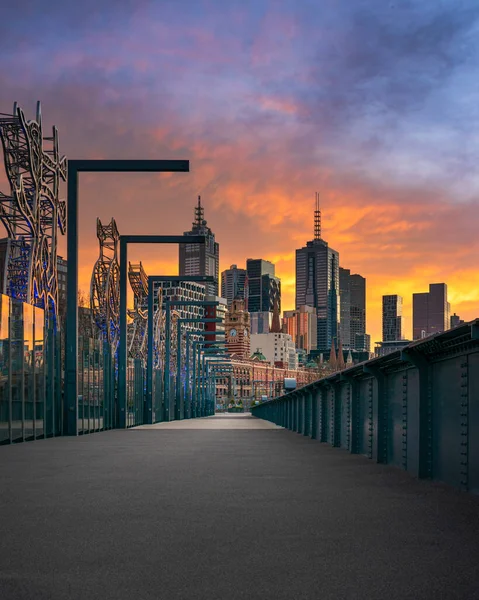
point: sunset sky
(373, 103)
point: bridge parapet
(416, 409)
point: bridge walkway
(226, 507)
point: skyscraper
(345, 307)
(261, 321)
(301, 324)
(430, 311)
(201, 259)
(317, 283)
(358, 311)
(264, 288)
(234, 284)
(392, 318)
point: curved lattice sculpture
(137, 347)
(33, 213)
(159, 334)
(159, 319)
(105, 284)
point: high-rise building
(362, 342)
(430, 311)
(345, 307)
(358, 311)
(217, 311)
(234, 284)
(302, 326)
(392, 318)
(181, 290)
(264, 288)
(456, 320)
(238, 330)
(261, 321)
(317, 284)
(201, 259)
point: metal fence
(96, 386)
(417, 409)
(30, 374)
(32, 378)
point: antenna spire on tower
(317, 219)
(199, 213)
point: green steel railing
(416, 409)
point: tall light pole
(70, 421)
(178, 357)
(197, 378)
(168, 305)
(152, 279)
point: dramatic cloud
(372, 103)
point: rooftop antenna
(317, 219)
(199, 213)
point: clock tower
(237, 329)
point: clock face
(232, 332)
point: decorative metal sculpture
(159, 319)
(137, 348)
(33, 213)
(105, 284)
(159, 334)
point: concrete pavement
(219, 421)
(213, 513)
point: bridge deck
(225, 508)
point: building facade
(216, 312)
(201, 259)
(345, 307)
(456, 320)
(252, 378)
(264, 288)
(278, 348)
(238, 329)
(362, 342)
(358, 311)
(386, 347)
(261, 322)
(181, 290)
(234, 284)
(317, 285)
(392, 318)
(302, 326)
(430, 311)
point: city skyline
(265, 120)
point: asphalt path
(226, 509)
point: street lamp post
(178, 358)
(125, 241)
(190, 388)
(216, 367)
(70, 421)
(207, 384)
(152, 279)
(169, 304)
(196, 371)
